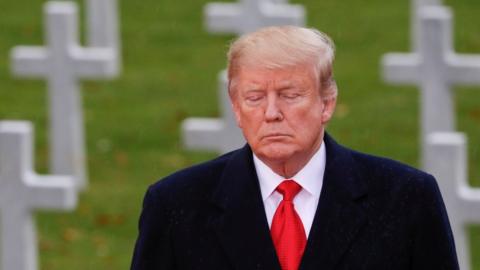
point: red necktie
(287, 229)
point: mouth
(275, 136)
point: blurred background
(170, 67)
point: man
(292, 198)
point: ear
(328, 109)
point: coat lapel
(340, 213)
(241, 224)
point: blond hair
(279, 47)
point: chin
(275, 152)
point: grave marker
(63, 62)
(21, 192)
(447, 161)
(435, 68)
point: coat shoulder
(392, 171)
(191, 182)
(393, 181)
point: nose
(273, 112)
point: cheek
(307, 122)
(252, 113)
(250, 120)
(306, 114)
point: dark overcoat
(373, 214)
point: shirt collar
(310, 177)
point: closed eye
(254, 99)
(291, 96)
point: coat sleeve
(433, 244)
(153, 249)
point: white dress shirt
(310, 177)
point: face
(280, 111)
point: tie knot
(289, 189)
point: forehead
(252, 77)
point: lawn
(169, 73)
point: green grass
(169, 73)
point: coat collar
(241, 224)
(340, 212)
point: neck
(286, 170)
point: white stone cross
(435, 67)
(222, 135)
(63, 62)
(21, 192)
(447, 161)
(249, 15)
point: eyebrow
(252, 91)
(283, 85)
(253, 87)
(286, 87)
(289, 86)
(289, 83)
